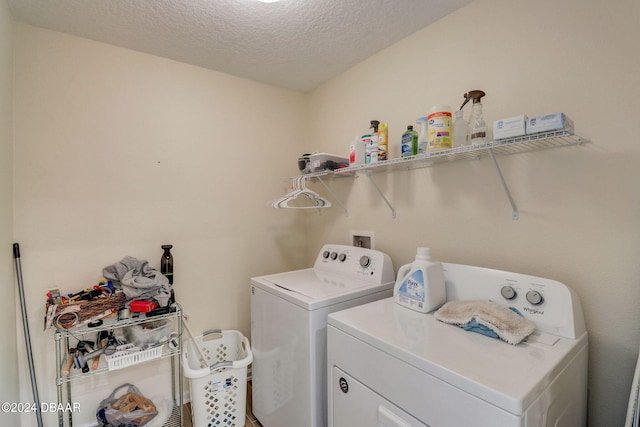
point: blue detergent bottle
(420, 285)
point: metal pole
(58, 338)
(27, 337)
(514, 209)
(393, 211)
(346, 211)
(180, 368)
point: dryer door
(356, 405)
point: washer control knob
(365, 261)
(508, 292)
(535, 297)
(342, 257)
(325, 254)
(334, 255)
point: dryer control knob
(508, 292)
(344, 385)
(365, 261)
(535, 297)
(342, 257)
(325, 254)
(334, 255)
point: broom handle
(27, 336)
(193, 338)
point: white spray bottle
(420, 285)
(477, 127)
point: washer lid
(312, 288)
(507, 376)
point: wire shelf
(500, 147)
(515, 145)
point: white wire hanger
(301, 197)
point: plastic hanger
(301, 197)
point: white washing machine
(288, 330)
(393, 367)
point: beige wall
(579, 206)
(8, 355)
(118, 152)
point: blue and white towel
(487, 318)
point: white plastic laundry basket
(218, 384)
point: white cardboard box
(549, 122)
(316, 160)
(507, 128)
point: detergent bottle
(420, 285)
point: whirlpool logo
(531, 310)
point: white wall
(579, 206)
(8, 355)
(118, 152)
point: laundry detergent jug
(420, 285)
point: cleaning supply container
(409, 142)
(216, 364)
(477, 125)
(356, 152)
(383, 142)
(439, 129)
(423, 136)
(420, 285)
(460, 130)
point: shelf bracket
(333, 194)
(514, 209)
(393, 211)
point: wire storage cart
(126, 356)
(216, 365)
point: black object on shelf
(166, 263)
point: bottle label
(383, 145)
(169, 275)
(373, 157)
(439, 130)
(407, 145)
(366, 140)
(411, 291)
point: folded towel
(507, 324)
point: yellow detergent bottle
(383, 142)
(420, 285)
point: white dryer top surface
(508, 376)
(311, 288)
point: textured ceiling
(296, 44)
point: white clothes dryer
(288, 330)
(393, 367)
